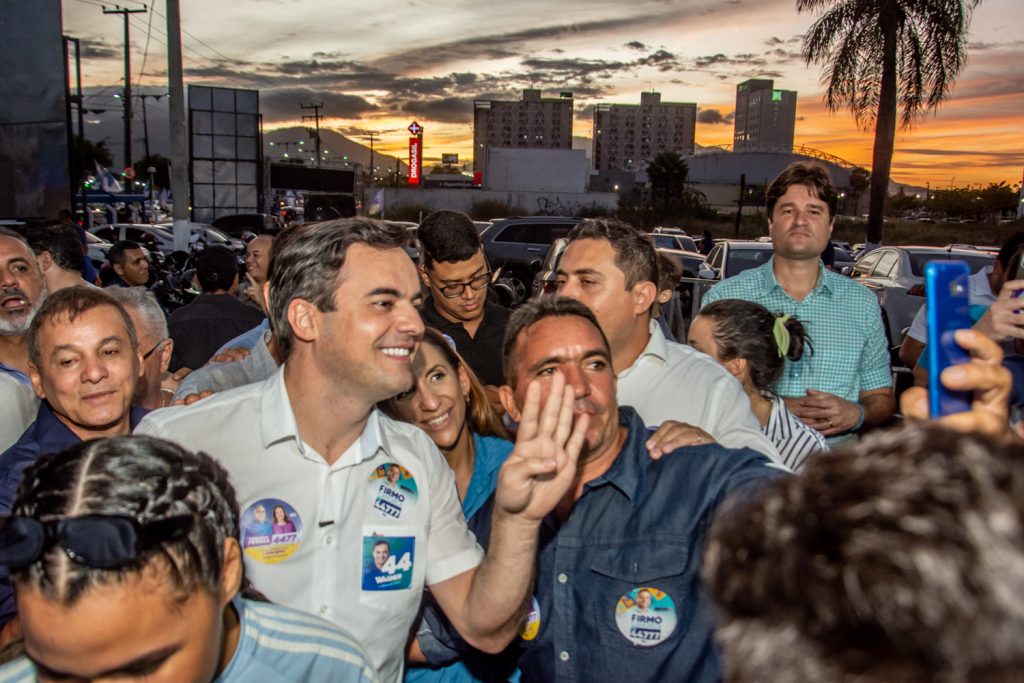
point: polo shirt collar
(277, 421)
(770, 282)
(628, 472)
(52, 435)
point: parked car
(97, 249)
(673, 241)
(732, 257)
(518, 247)
(896, 276)
(152, 237)
(237, 223)
(210, 235)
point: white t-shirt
(341, 541)
(671, 381)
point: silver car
(896, 276)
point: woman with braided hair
(126, 565)
(753, 344)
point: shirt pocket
(644, 593)
(391, 567)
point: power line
(125, 13)
(145, 52)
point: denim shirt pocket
(619, 573)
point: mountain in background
(338, 147)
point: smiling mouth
(438, 421)
(14, 302)
(397, 351)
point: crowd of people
(360, 468)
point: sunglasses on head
(97, 541)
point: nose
(576, 378)
(411, 323)
(569, 288)
(7, 278)
(426, 397)
(94, 369)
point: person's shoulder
(739, 286)
(685, 358)
(299, 646)
(184, 417)
(409, 438)
(20, 670)
(850, 289)
(712, 466)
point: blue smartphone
(946, 285)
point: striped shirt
(276, 645)
(794, 439)
(844, 323)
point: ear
(119, 271)
(422, 270)
(736, 367)
(664, 296)
(37, 380)
(45, 260)
(508, 401)
(644, 295)
(165, 355)
(231, 573)
(304, 319)
(463, 380)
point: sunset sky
(377, 65)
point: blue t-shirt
(276, 645)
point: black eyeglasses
(98, 541)
(149, 353)
(455, 289)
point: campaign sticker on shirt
(271, 530)
(531, 626)
(388, 562)
(645, 616)
(392, 490)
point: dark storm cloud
(711, 116)
(445, 109)
(284, 103)
(98, 49)
(635, 45)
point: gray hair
(154, 322)
(306, 262)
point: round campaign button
(645, 616)
(531, 626)
(392, 490)
(271, 530)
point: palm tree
(880, 56)
(667, 173)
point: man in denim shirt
(618, 593)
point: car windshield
(918, 260)
(212, 235)
(745, 259)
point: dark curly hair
(901, 554)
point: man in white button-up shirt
(612, 268)
(345, 512)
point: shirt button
(564, 656)
(327, 540)
(562, 578)
(323, 609)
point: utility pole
(124, 12)
(372, 136)
(145, 120)
(177, 125)
(315, 116)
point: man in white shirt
(309, 447)
(612, 268)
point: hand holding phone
(946, 287)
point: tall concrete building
(533, 122)
(765, 117)
(626, 136)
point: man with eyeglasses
(156, 386)
(84, 363)
(459, 278)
